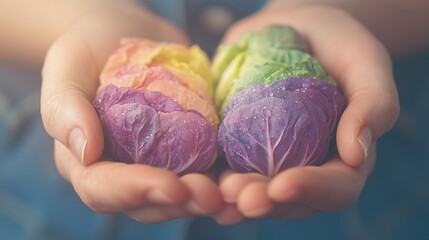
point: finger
(117, 187)
(253, 201)
(330, 187)
(69, 84)
(364, 74)
(229, 215)
(205, 196)
(231, 184)
(236, 31)
(254, 196)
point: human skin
(29, 28)
(296, 193)
(70, 80)
(401, 26)
(361, 66)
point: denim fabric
(394, 202)
(35, 202)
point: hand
(70, 80)
(362, 69)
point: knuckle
(50, 111)
(391, 110)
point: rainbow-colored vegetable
(279, 106)
(155, 106)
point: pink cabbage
(148, 127)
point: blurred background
(36, 203)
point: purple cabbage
(269, 128)
(150, 128)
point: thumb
(70, 80)
(238, 29)
(362, 68)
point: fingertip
(225, 174)
(353, 138)
(253, 201)
(231, 35)
(85, 138)
(236, 31)
(232, 184)
(204, 194)
(74, 122)
(365, 139)
(229, 215)
(286, 187)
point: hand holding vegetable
(155, 106)
(357, 62)
(70, 81)
(281, 109)
(362, 70)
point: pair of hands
(357, 61)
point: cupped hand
(70, 81)
(362, 68)
(147, 194)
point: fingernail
(229, 215)
(365, 140)
(160, 197)
(195, 208)
(258, 212)
(77, 143)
